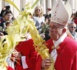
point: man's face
(56, 30)
(72, 27)
(8, 17)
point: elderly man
(62, 48)
(72, 29)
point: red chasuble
(26, 49)
(67, 55)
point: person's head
(56, 30)
(59, 19)
(73, 16)
(38, 11)
(47, 18)
(72, 27)
(7, 15)
(5, 8)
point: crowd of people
(6, 18)
(53, 29)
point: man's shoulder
(49, 42)
(70, 46)
(71, 43)
(25, 43)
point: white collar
(61, 39)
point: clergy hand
(17, 55)
(46, 63)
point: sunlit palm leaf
(12, 3)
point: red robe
(67, 55)
(26, 49)
(9, 68)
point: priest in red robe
(63, 49)
(26, 57)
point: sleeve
(32, 56)
(18, 47)
(39, 59)
(74, 65)
(38, 63)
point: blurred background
(46, 4)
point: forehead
(72, 24)
(38, 8)
(8, 14)
(56, 24)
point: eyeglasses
(55, 27)
(9, 15)
(38, 10)
(73, 27)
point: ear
(64, 30)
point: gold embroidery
(53, 47)
(52, 64)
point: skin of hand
(17, 55)
(46, 63)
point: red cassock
(26, 49)
(67, 55)
(9, 68)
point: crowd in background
(72, 26)
(41, 20)
(6, 18)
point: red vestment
(67, 55)
(26, 49)
(9, 68)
